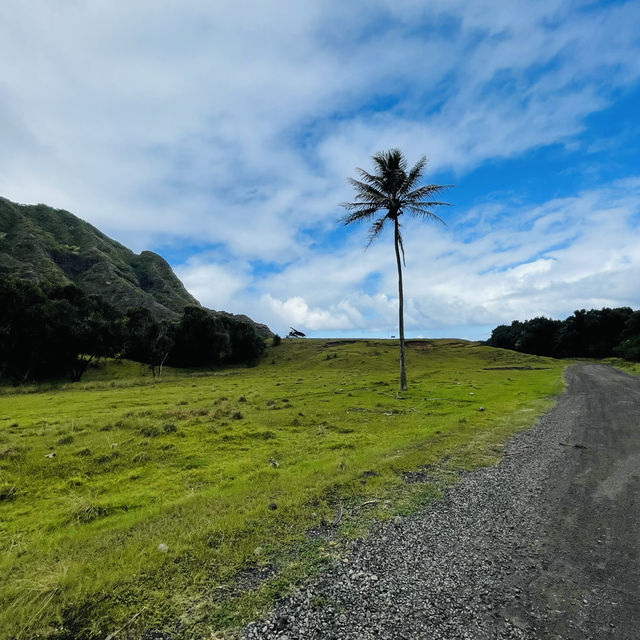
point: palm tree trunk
(403, 373)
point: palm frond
(416, 173)
(401, 247)
(426, 191)
(418, 212)
(390, 161)
(367, 193)
(358, 215)
(375, 229)
(428, 203)
(392, 167)
(417, 207)
(370, 179)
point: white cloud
(215, 286)
(297, 312)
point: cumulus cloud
(216, 286)
(296, 311)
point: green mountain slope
(54, 247)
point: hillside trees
(384, 196)
(54, 332)
(21, 329)
(204, 339)
(146, 340)
(629, 347)
(200, 340)
(94, 328)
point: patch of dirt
(252, 577)
(419, 345)
(417, 477)
(527, 368)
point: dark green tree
(246, 345)
(381, 198)
(85, 326)
(146, 340)
(539, 336)
(48, 333)
(23, 312)
(629, 347)
(201, 339)
(506, 336)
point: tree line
(51, 332)
(598, 333)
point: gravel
(459, 569)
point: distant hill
(48, 246)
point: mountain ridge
(54, 247)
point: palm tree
(391, 191)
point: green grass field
(239, 472)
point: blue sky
(221, 135)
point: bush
(629, 349)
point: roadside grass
(625, 365)
(189, 503)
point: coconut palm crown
(383, 197)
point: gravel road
(544, 545)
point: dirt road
(544, 546)
(591, 533)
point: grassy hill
(187, 504)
